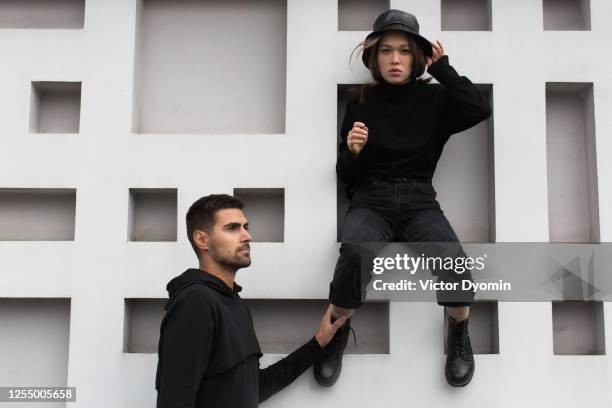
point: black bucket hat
(401, 21)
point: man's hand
(438, 52)
(357, 137)
(328, 329)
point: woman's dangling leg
(458, 313)
(346, 289)
(430, 225)
(338, 312)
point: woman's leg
(337, 311)
(433, 235)
(430, 225)
(349, 282)
(458, 313)
(346, 290)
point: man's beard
(236, 260)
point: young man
(208, 352)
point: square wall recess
(282, 325)
(42, 13)
(152, 214)
(359, 15)
(55, 107)
(573, 209)
(574, 15)
(578, 328)
(483, 326)
(210, 67)
(141, 323)
(34, 342)
(265, 210)
(466, 15)
(37, 214)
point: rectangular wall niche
(141, 323)
(484, 328)
(578, 328)
(210, 67)
(283, 325)
(152, 214)
(359, 15)
(573, 213)
(34, 342)
(265, 210)
(567, 15)
(465, 180)
(55, 107)
(42, 13)
(37, 214)
(466, 15)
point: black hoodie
(208, 352)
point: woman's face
(395, 58)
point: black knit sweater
(409, 124)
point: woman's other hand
(438, 52)
(357, 138)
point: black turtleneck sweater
(409, 124)
(208, 354)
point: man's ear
(200, 237)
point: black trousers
(395, 211)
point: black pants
(386, 211)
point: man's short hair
(201, 214)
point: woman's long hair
(371, 46)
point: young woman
(393, 134)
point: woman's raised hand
(357, 137)
(438, 52)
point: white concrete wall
(100, 267)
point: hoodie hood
(198, 277)
(221, 322)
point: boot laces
(354, 335)
(347, 327)
(334, 345)
(459, 343)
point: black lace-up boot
(459, 359)
(327, 369)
